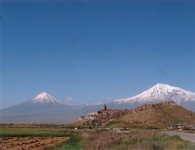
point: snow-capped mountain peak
(45, 98)
(161, 92)
(160, 87)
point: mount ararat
(160, 93)
(44, 108)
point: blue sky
(88, 51)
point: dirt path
(29, 143)
(185, 136)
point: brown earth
(159, 115)
(30, 143)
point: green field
(89, 139)
(73, 143)
(5, 131)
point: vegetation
(155, 140)
(22, 132)
(72, 144)
(101, 139)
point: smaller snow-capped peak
(161, 92)
(45, 98)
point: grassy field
(32, 138)
(5, 131)
(72, 144)
(143, 139)
(88, 139)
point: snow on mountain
(161, 92)
(42, 109)
(44, 98)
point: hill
(159, 115)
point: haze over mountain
(41, 109)
(44, 108)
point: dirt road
(185, 136)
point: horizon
(97, 103)
(86, 52)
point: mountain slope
(160, 93)
(41, 109)
(159, 115)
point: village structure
(93, 115)
(181, 127)
(102, 117)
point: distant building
(121, 130)
(175, 126)
(181, 127)
(104, 107)
(189, 127)
(81, 118)
(92, 115)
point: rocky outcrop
(102, 117)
